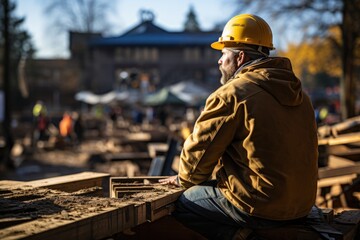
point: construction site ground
(100, 152)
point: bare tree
(314, 18)
(87, 16)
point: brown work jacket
(260, 127)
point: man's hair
(252, 51)
(261, 49)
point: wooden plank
(135, 188)
(164, 200)
(326, 172)
(331, 181)
(341, 139)
(349, 153)
(73, 182)
(154, 214)
(91, 226)
(7, 183)
(154, 148)
(68, 183)
(140, 181)
(138, 136)
(158, 198)
(335, 162)
(357, 195)
(128, 156)
(345, 125)
(139, 213)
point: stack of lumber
(152, 200)
(339, 161)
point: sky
(169, 14)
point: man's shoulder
(238, 89)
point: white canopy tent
(186, 91)
(189, 92)
(92, 98)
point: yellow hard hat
(245, 28)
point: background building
(146, 58)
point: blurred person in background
(40, 123)
(66, 127)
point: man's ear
(241, 59)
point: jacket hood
(275, 76)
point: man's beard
(226, 74)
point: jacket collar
(247, 64)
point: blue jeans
(205, 210)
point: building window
(192, 55)
(146, 54)
(154, 55)
(136, 54)
(122, 54)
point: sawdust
(42, 202)
(29, 211)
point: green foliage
(20, 40)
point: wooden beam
(326, 172)
(144, 156)
(331, 181)
(96, 225)
(158, 199)
(67, 183)
(341, 139)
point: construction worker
(40, 122)
(39, 108)
(259, 129)
(66, 127)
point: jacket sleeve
(213, 132)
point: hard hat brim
(221, 45)
(217, 45)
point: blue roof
(145, 27)
(156, 39)
(148, 34)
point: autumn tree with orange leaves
(315, 57)
(314, 18)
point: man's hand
(173, 180)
